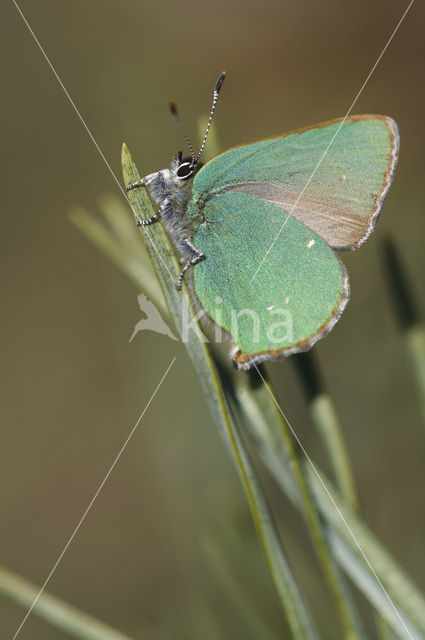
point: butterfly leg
(190, 263)
(156, 216)
(143, 182)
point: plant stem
(59, 613)
(325, 417)
(388, 589)
(326, 420)
(349, 618)
(181, 308)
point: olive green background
(72, 385)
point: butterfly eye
(185, 170)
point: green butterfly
(262, 222)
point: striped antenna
(175, 115)
(214, 102)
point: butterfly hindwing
(294, 299)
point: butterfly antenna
(178, 122)
(214, 102)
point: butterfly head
(184, 168)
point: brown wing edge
(243, 362)
(389, 174)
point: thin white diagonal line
(333, 502)
(69, 97)
(117, 457)
(334, 136)
(82, 120)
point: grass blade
(262, 419)
(58, 613)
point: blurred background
(72, 384)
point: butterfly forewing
(332, 177)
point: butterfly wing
(332, 177)
(294, 300)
